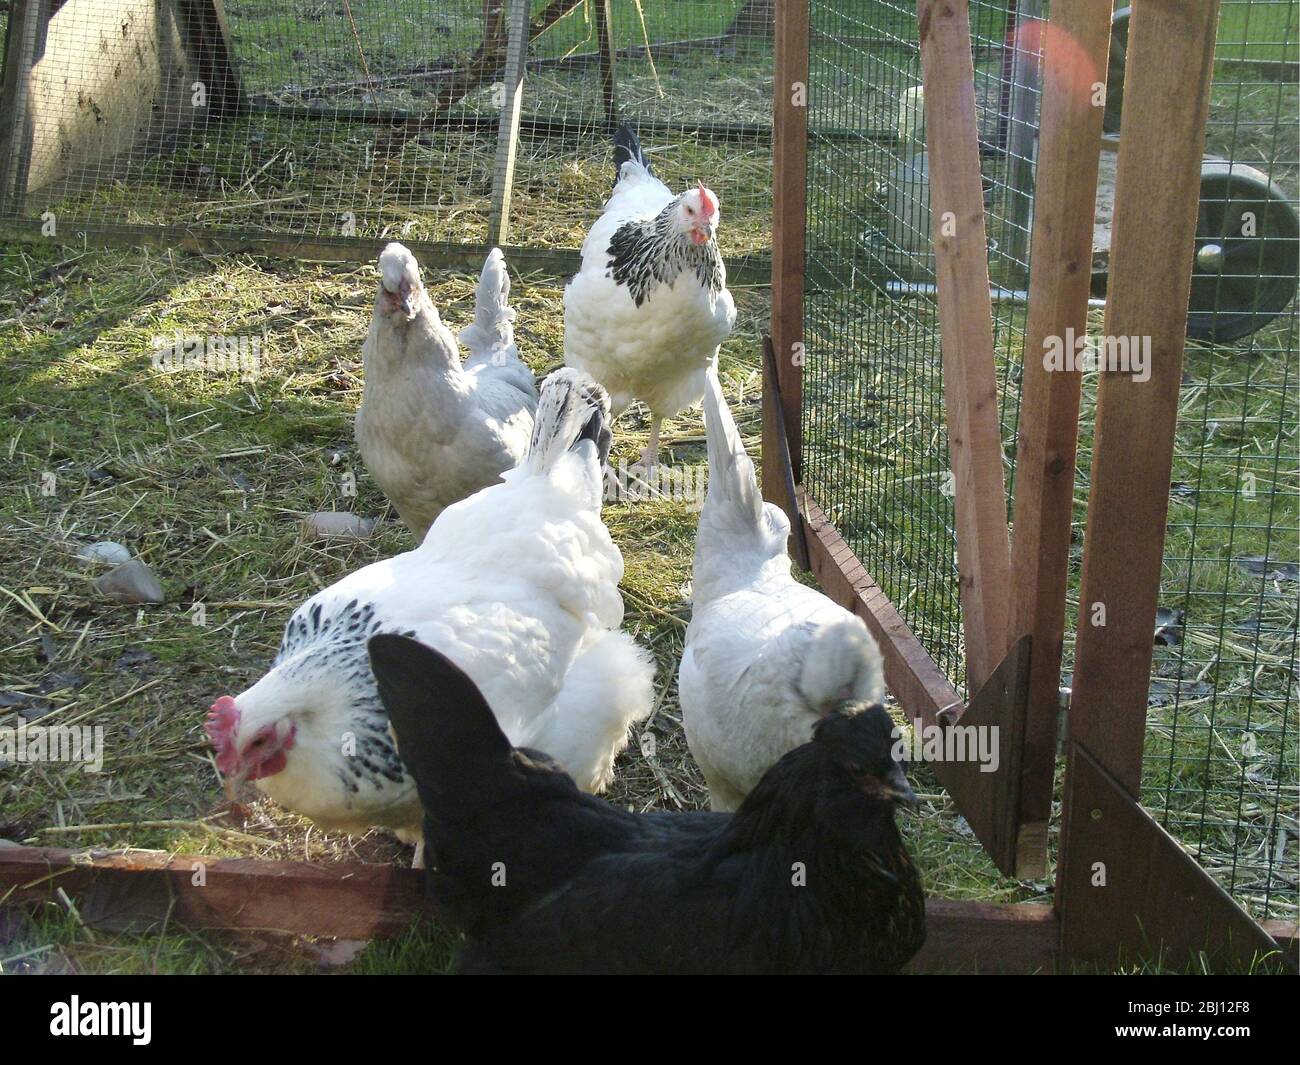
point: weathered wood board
(92, 80)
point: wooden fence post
(966, 324)
(25, 30)
(503, 172)
(1075, 47)
(1161, 899)
(1157, 188)
(789, 213)
(608, 77)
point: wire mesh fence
(1221, 754)
(332, 121)
(876, 450)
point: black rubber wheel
(1115, 70)
(1247, 259)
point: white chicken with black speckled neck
(649, 307)
(518, 585)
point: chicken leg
(650, 456)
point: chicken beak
(903, 793)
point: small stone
(29, 706)
(1259, 566)
(106, 551)
(131, 582)
(133, 658)
(337, 524)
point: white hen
(431, 430)
(765, 655)
(518, 585)
(647, 310)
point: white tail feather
(732, 483)
(491, 337)
(572, 407)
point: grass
(53, 941)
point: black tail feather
(627, 149)
(598, 432)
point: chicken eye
(690, 210)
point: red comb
(223, 719)
(708, 200)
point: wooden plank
(435, 255)
(988, 800)
(998, 706)
(966, 327)
(789, 211)
(139, 891)
(988, 938)
(648, 129)
(1286, 936)
(773, 406)
(136, 890)
(608, 77)
(1076, 43)
(1130, 893)
(1157, 187)
(503, 172)
(207, 35)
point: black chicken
(809, 875)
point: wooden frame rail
(146, 891)
(1157, 189)
(1075, 47)
(1119, 890)
(789, 211)
(515, 17)
(966, 334)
